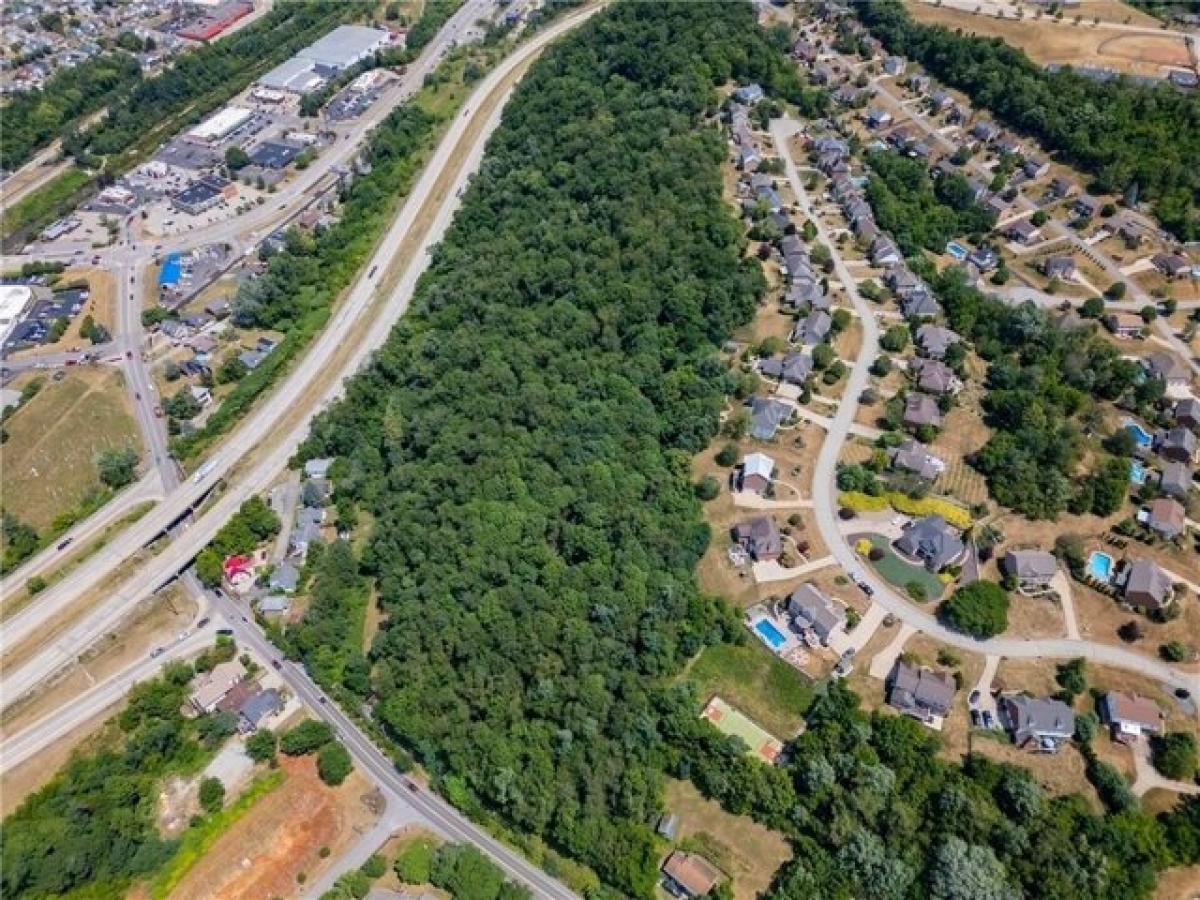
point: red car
(158, 411)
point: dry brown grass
(749, 853)
(1048, 41)
(1033, 617)
(963, 432)
(1175, 884)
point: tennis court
(728, 720)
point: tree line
(1132, 139)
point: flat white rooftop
(217, 126)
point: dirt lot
(749, 853)
(49, 460)
(1048, 41)
(264, 851)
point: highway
(825, 503)
(262, 432)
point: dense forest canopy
(1128, 137)
(522, 440)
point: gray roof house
(1187, 413)
(812, 329)
(257, 708)
(936, 377)
(884, 252)
(766, 415)
(748, 94)
(919, 692)
(1179, 444)
(1033, 569)
(1167, 517)
(921, 409)
(759, 537)
(933, 541)
(914, 456)
(1169, 367)
(1147, 585)
(273, 605)
(1037, 722)
(985, 131)
(1021, 230)
(1058, 267)
(812, 611)
(793, 368)
(285, 578)
(318, 468)
(1176, 480)
(251, 359)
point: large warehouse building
(218, 127)
(320, 61)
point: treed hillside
(1145, 140)
(523, 439)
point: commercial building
(317, 63)
(201, 195)
(13, 300)
(212, 24)
(219, 126)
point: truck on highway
(202, 472)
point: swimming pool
(1099, 565)
(957, 250)
(1141, 436)
(769, 633)
(1137, 472)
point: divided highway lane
(825, 491)
(463, 145)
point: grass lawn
(45, 204)
(757, 682)
(49, 460)
(747, 852)
(899, 573)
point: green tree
(212, 794)
(236, 158)
(307, 737)
(117, 467)
(979, 609)
(261, 745)
(333, 763)
(1174, 754)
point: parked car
(974, 698)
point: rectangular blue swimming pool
(957, 250)
(769, 633)
(1099, 565)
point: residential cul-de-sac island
(853, 493)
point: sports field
(728, 720)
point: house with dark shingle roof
(1178, 445)
(1167, 517)
(759, 537)
(920, 692)
(1147, 585)
(1041, 723)
(812, 611)
(915, 457)
(933, 541)
(766, 415)
(1171, 265)
(1033, 569)
(1176, 480)
(812, 329)
(1187, 413)
(1169, 367)
(921, 409)
(1058, 267)
(935, 340)
(935, 377)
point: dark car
(975, 718)
(974, 698)
(225, 631)
(203, 622)
(276, 664)
(64, 544)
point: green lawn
(756, 681)
(898, 572)
(49, 202)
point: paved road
(825, 494)
(296, 393)
(400, 791)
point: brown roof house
(1124, 325)
(1130, 716)
(921, 409)
(759, 537)
(689, 875)
(1171, 264)
(935, 377)
(921, 693)
(1147, 585)
(1176, 480)
(1167, 517)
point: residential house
(1034, 167)
(985, 131)
(933, 541)
(805, 295)
(200, 394)
(1021, 230)
(1176, 480)
(1178, 445)
(792, 369)
(939, 100)
(919, 692)
(879, 118)
(1124, 325)
(913, 456)
(895, 65)
(1187, 413)
(285, 579)
(805, 51)
(749, 94)
(689, 875)
(884, 252)
(766, 415)
(1086, 206)
(956, 114)
(1041, 723)
(935, 341)
(1170, 368)
(756, 472)
(917, 301)
(759, 537)
(920, 84)
(257, 708)
(984, 259)
(318, 468)
(212, 686)
(1007, 145)
(1033, 569)
(812, 329)
(273, 605)
(251, 359)
(812, 611)
(824, 74)
(1167, 517)
(1062, 267)
(1130, 716)
(847, 95)
(979, 190)
(1147, 585)
(921, 409)
(1171, 265)
(749, 159)
(1062, 188)
(935, 377)
(1129, 232)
